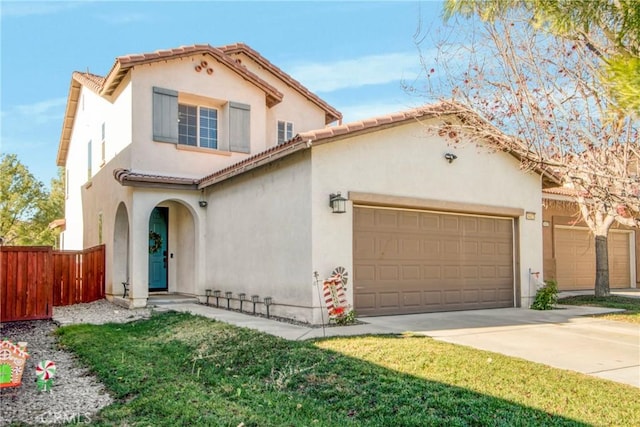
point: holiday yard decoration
(335, 298)
(12, 362)
(45, 371)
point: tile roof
(331, 114)
(129, 178)
(106, 86)
(124, 63)
(375, 123)
(92, 81)
(561, 191)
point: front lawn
(631, 305)
(179, 369)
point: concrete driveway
(565, 338)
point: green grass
(631, 305)
(178, 369)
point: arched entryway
(172, 248)
(120, 266)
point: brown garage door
(576, 259)
(415, 262)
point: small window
(197, 126)
(103, 145)
(285, 131)
(89, 174)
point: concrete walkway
(563, 338)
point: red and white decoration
(334, 295)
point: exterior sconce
(337, 203)
(202, 202)
(450, 157)
(530, 216)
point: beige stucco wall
(258, 238)
(404, 161)
(214, 90)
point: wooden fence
(35, 279)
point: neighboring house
(223, 172)
(569, 246)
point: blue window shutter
(165, 115)
(239, 126)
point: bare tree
(546, 93)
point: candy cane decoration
(334, 297)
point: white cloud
(357, 72)
(38, 112)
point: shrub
(546, 296)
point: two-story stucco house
(211, 168)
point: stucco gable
(238, 49)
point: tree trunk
(602, 267)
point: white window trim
(286, 125)
(198, 108)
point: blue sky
(355, 55)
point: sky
(358, 56)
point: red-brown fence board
(25, 283)
(35, 279)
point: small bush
(546, 296)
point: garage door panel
(488, 295)
(452, 297)
(471, 296)
(412, 261)
(432, 298)
(450, 223)
(412, 299)
(364, 273)
(365, 300)
(389, 299)
(451, 272)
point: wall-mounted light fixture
(202, 202)
(337, 203)
(530, 216)
(450, 157)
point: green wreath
(157, 242)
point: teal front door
(158, 249)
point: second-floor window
(285, 131)
(197, 126)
